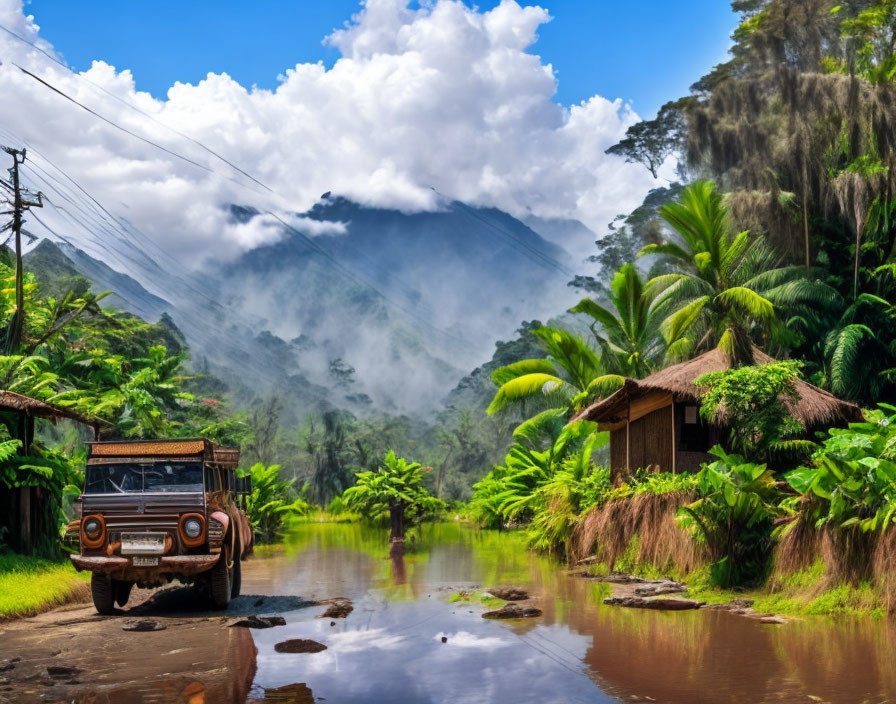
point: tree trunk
(396, 521)
(806, 245)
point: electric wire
(530, 251)
(130, 105)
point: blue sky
(644, 52)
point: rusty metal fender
(221, 518)
(246, 537)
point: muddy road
(351, 625)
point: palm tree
(570, 375)
(859, 351)
(630, 339)
(728, 286)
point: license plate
(142, 543)
(146, 562)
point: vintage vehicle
(157, 510)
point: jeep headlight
(192, 528)
(92, 528)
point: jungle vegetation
(776, 231)
(778, 234)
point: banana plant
(733, 516)
(269, 505)
(853, 478)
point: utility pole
(21, 201)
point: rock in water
(290, 694)
(299, 645)
(339, 609)
(512, 611)
(60, 671)
(259, 622)
(637, 602)
(508, 594)
(662, 586)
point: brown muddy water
(390, 647)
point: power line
(533, 253)
(124, 102)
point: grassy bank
(808, 592)
(30, 585)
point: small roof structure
(11, 401)
(813, 406)
(201, 448)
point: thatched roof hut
(655, 421)
(22, 512)
(11, 401)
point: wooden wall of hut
(648, 446)
(651, 441)
(617, 454)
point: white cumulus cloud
(444, 101)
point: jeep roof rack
(201, 448)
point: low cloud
(424, 104)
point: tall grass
(646, 522)
(29, 585)
(850, 557)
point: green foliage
(629, 331)
(643, 482)
(853, 477)
(570, 375)
(548, 479)
(272, 502)
(396, 488)
(30, 585)
(756, 396)
(733, 517)
(726, 287)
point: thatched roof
(11, 401)
(813, 407)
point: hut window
(694, 433)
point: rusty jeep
(153, 511)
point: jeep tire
(103, 593)
(237, 582)
(220, 581)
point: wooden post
(25, 519)
(628, 437)
(674, 448)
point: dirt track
(73, 654)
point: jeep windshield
(134, 478)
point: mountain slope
(388, 314)
(61, 264)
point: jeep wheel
(122, 591)
(102, 592)
(219, 582)
(237, 582)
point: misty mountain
(59, 265)
(388, 313)
(410, 301)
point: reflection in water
(391, 649)
(399, 571)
